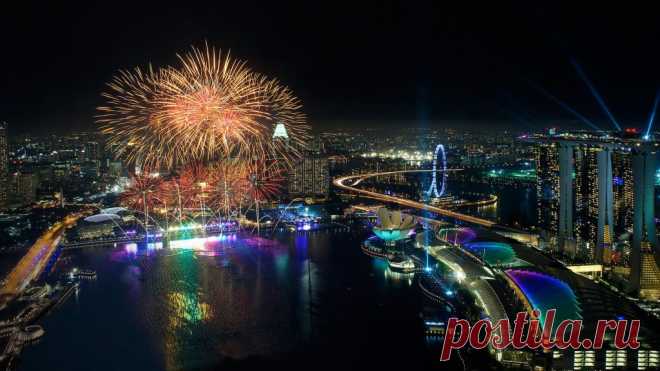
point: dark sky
(351, 63)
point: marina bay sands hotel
(593, 192)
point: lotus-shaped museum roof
(388, 219)
(392, 225)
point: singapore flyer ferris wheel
(439, 165)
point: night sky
(351, 64)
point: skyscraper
(586, 196)
(577, 179)
(623, 190)
(566, 170)
(310, 177)
(23, 187)
(4, 165)
(605, 204)
(547, 189)
(644, 272)
(92, 151)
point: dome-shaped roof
(100, 218)
(113, 210)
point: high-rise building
(4, 165)
(644, 272)
(310, 178)
(566, 198)
(605, 205)
(23, 187)
(623, 190)
(594, 199)
(547, 189)
(579, 184)
(92, 151)
(586, 196)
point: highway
(353, 180)
(35, 260)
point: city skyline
(329, 186)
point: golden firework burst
(210, 107)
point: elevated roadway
(350, 182)
(34, 261)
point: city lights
(388, 186)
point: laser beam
(518, 117)
(594, 92)
(652, 116)
(566, 107)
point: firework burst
(143, 193)
(193, 185)
(209, 108)
(263, 180)
(227, 186)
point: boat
(83, 274)
(373, 250)
(401, 264)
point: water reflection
(233, 299)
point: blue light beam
(652, 116)
(518, 117)
(594, 92)
(566, 107)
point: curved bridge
(350, 182)
(35, 259)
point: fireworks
(221, 190)
(224, 132)
(227, 186)
(263, 180)
(192, 182)
(144, 188)
(210, 108)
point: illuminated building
(23, 187)
(644, 272)
(594, 198)
(623, 190)
(92, 152)
(586, 196)
(613, 359)
(310, 178)
(4, 165)
(280, 133)
(547, 188)
(605, 204)
(566, 170)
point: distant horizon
(362, 124)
